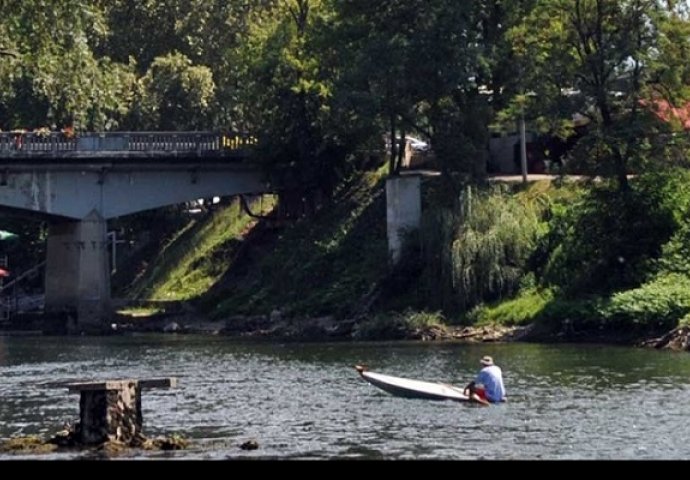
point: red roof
(668, 113)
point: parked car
(415, 144)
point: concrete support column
(77, 271)
(112, 414)
(403, 211)
(110, 410)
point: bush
(577, 315)
(656, 306)
(417, 320)
(675, 257)
(520, 310)
(381, 327)
(660, 304)
(397, 325)
(608, 240)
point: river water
(305, 401)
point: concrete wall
(403, 211)
(62, 267)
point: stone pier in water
(111, 410)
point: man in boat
(488, 386)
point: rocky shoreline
(274, 327)
(312, 329)
(67, 440)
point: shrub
(397, 325)
(609, 240)
(659, 304)
(520, 310)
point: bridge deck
(42, 146)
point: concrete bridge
(80, 182)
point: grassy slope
(317, 266)
(195, 258)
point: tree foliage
(175, 96)
(609, 64)
(321, 79)
(55, 78)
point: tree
(438, 68)
(610, 62)
(55, 77)
(374, 39)
(287, 92)
(215, 35)
(175, 95)
(143, 30)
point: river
(305, 401)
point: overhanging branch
(248, 211)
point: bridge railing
(36, 142)
(180, 142)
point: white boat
(405, 387)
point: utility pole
(112, 237)
(523, 146)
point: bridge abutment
(78, 273)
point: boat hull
(408, 388)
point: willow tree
(611, 64)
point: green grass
(137, 312)
(196, 257)
(322, 265)
(521, 310)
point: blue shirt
(492, 379)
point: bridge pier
(403, 211)
(77, 272)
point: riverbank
(274, 327)
(330, 273)
(316, 329)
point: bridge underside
(115, 190)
